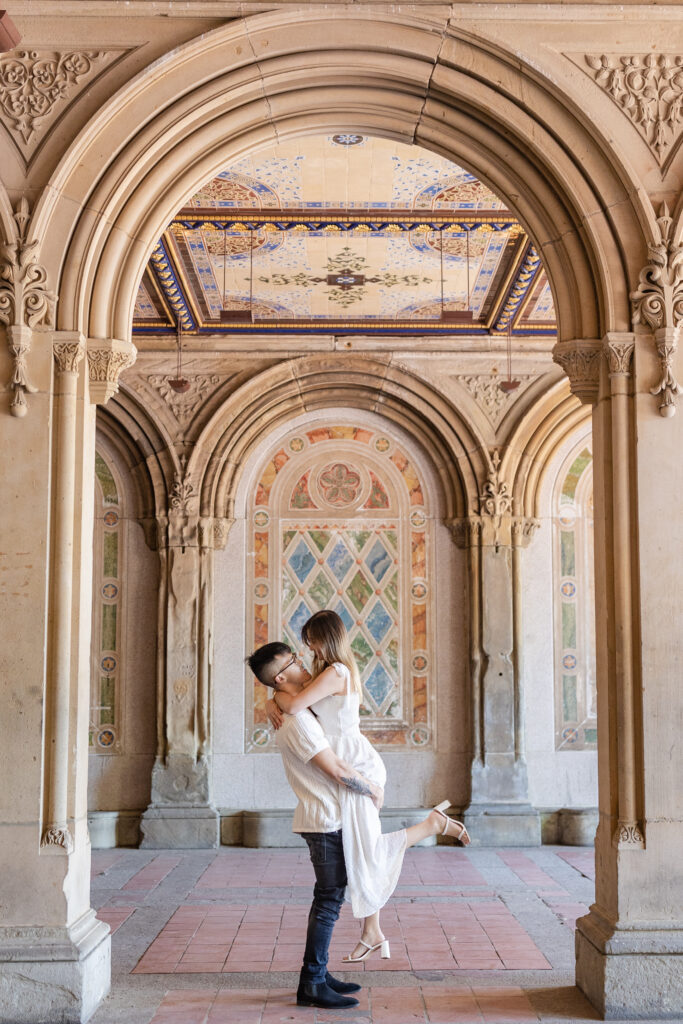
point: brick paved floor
(216, 937)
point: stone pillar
(181, 814)
(499, 812)
(629, 948)
(54, 953)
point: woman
(373, 859)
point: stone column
(629, 947)
(499, 812)
(54, 953)
(181, 814)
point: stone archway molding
(260, 79)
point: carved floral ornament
(33, 82)
(649, 89)
(658, 304)
(25, 302)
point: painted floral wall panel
(575, 692)
(339, 520)
(105, 699)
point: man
(315, 773)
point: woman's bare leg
(371, 933)
(431, 826)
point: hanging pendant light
(509, 385)
(237, 316)
(179, 384)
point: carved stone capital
(106, 361)
(213, 532)
(523, 529)
(68, 349)
(465, 531)
(58, 835)
(628, 835)
(580, 360)
(618, 349)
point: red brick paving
(414, 1004)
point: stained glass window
(574, 602)
(339, 520)
(105, 728)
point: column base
(630, 974)
(503, 825)
(180, 828)
(54, 974)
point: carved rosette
(107, 359)
(658, 304)
(580, 360)
(649, 89)
(58, 836)
(25, 302)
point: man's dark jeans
(327, 857)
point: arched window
(339, 519)
(105, 695)
(574, 604)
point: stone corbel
(25, 302)
(107, 358)
(666, 341)
(580, 360)
(658, 304)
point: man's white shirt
(299, 739)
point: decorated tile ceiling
(344, 232)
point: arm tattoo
(358, 786)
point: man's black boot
(344, 987)
(311, 994)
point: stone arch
(315, 382)
(257, 80)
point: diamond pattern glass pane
(379, 684)
(362, 651)
(344, 614)
(295, 622)
(378, 560)
(340, 560)
(301, 561)
(321, 591)
(378, 622)
(360, 591)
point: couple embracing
(338, 778)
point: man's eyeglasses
(296, 660)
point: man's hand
(274, 714)
(346, 775)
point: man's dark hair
(261, 661)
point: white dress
(373, 860)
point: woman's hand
(378, 797)
(274, 714)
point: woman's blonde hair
(326, 631)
